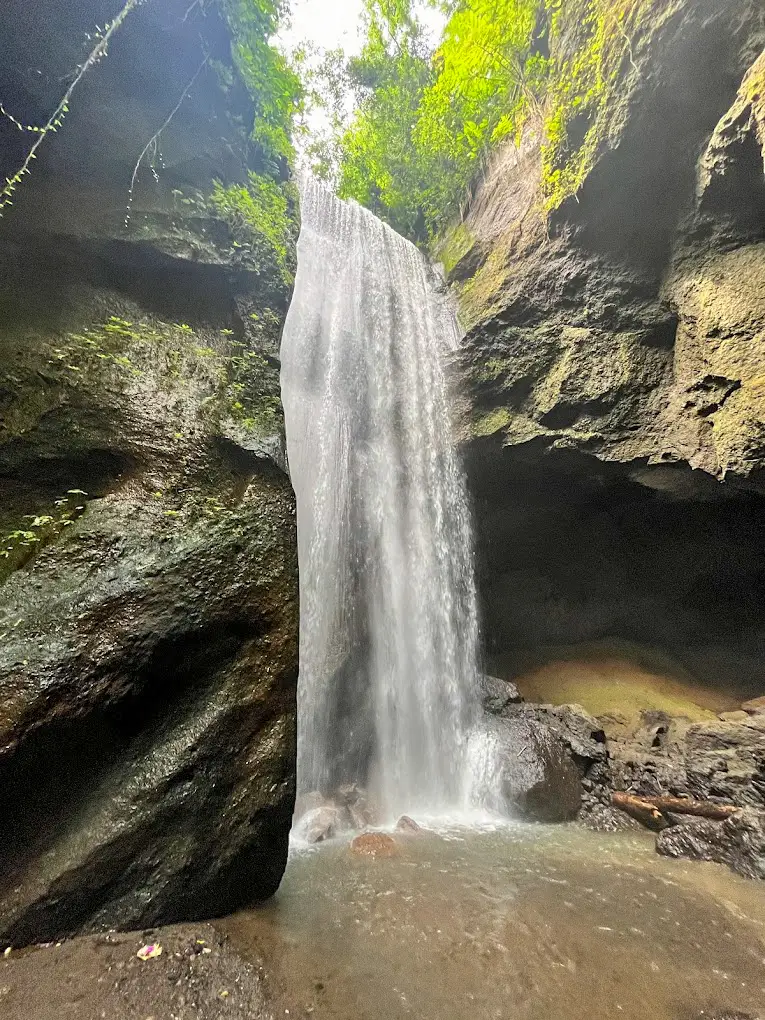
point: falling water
(388, 634)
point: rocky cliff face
(148, 595)
(614, 359)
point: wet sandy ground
(100, 977)
(529, 923)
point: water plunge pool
(524, 922)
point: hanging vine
(99, 51)
(151, 151)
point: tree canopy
(426, 115)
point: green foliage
(273, 85)
(486, 83)
(252, 392)
(242, 385)
(380, 166)
(425, 120)
(19, 545)
(114, 344)
(327, 85)
(260, 216)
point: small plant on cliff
(273, 86)
(19, 545)
(253, 391)
(259, 216)
(582, 88)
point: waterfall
(388, 632)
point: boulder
(532, 774)
(321, 823)
(362, 814)
(407, 824)
(738, 716)
(739, 842)
(149, 616)
(496, 694)
(722, 759)
(530, 760)
(306, 802)
(726, 759)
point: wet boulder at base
(739, 842)
(148, 585)
(543, 755)
(321, 823)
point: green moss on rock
(489, 424)
(600, 49)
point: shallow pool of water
(524, 922)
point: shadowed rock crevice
(679, 99)
(572, 551)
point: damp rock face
(720, 760)
(614, 430)
(321, 823)
(148, 585)
(544, 756)
(739, 842)
(539, 782)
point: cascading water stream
(388, 676)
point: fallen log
(650, 811)
(645, 812)
(699, 808)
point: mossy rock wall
(615, 348)
(148, 582)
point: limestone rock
(614, 421)
(497, 694)
(321, 823)
(309, 802)
(537, 757)
(537, 780)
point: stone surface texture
(148, 599)
(614, 425)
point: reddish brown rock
(374, 844)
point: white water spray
(388, 633)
